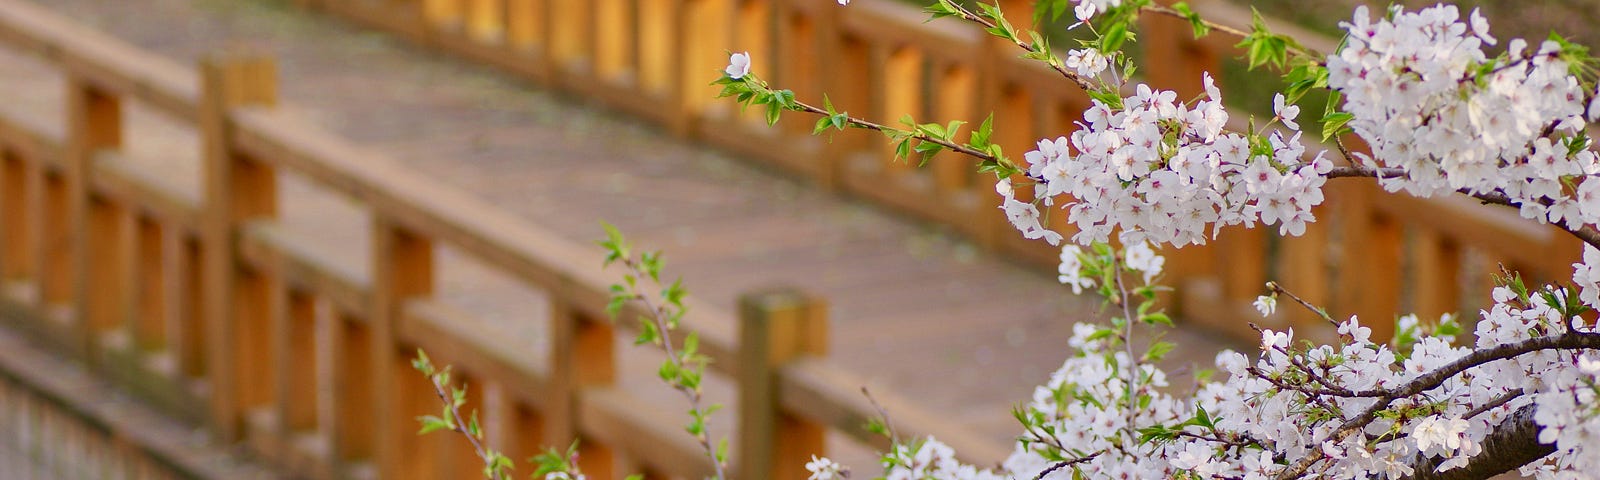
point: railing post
(403, 269)
(776, 327)
(236, 189)
(582, 356)
(94, 123)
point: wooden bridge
(236, 260)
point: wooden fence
(205, 303)
(880, 59)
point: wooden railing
(880, 60)
(206, 302)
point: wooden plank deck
(914, 310)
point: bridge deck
(914, 310)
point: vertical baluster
(527, 25)
(461, 460)
(1305, 272)
(899, 90)
(237, 189)
(16, 218)
(55, 246)
(403, 269)
(776, 327)
(153, 287)
(848, 85)
(190, 334)
(443, 15)
(353, 391)
(1369, 284)
(1436, 275)
(656, 48)
(513, 428)
(571, 37)
(486, 20)
(108, 258)
(582, 357)
(956, 99)
(298, 365)
(614, 34)
(705, 39)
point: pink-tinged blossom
(738, 65)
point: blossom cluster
(1167, 172)
(1430, 102)
(1291, 401)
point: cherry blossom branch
(1276, 288)
(864, 124)
(1168, 11)
(1054, 63)
(1066, 463)
(1432, 379)
(1514, 443)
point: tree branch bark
(1512, 444)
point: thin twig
(882, 413)
(458, 425)
(1054, 63)
(1064, 464)
(1276, 288)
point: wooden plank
(18, 211)
(402, 269)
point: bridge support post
(236, 189)
(776, 327)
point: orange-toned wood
(191, 334)
(109, 257)
(657, 52)
(775, 328)
(571, 33)
(94, 123)
(526, 25)
(614, 40)
(1435, 275)
(898, 87)
(442, 14)
(1304, 270)
(402, 269)
(154, 286)
(424, 456)
(354, 390)
(235, 189)
(703, 50)
(253, 380)
(295, 333)
(582, 356)
(55, 243)
(955, 99)
(486, 20)
(17, 211)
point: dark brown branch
(1065, 463)
(1432, 379)
(859, 123)
(1585, 233)
(1512, 444)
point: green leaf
(432, 424)
(1334, 124)
(1112, 39)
